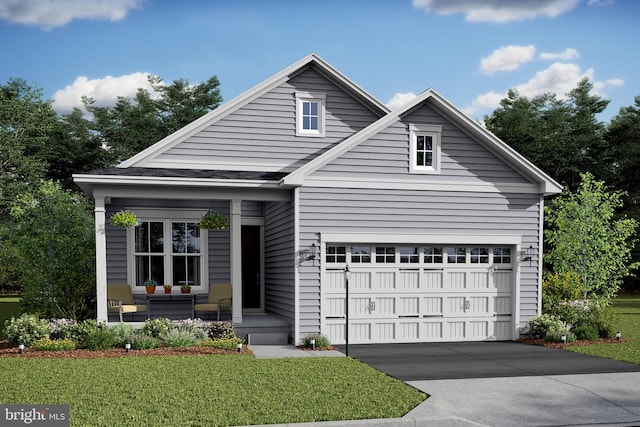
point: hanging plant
(124, 219)
(212, 220)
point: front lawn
(627, 307)
(205, 390)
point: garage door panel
(432, 305)
(409, 280)
(385, 280)
(360, 280)
(456, 280)
(433, 279)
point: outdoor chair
(219, 299)
(120, 300)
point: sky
(470, 51)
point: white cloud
(105, 91)
(507, 58)
(399, 100)
(615, 82)
(568, 54)
(500, 11)
(55, 13)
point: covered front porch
(168, 247)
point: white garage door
(418, 293)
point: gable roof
(238, 102)
(489, 140)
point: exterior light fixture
(313, 344)
(21, 348)
(308, 254)
(239, 347)
(564, 338)
(618, 335)
(127, 347)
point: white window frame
(168, 218)
(301, 98)
(433, 131)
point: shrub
(179, 338)
(155, 328)
(539, 326)
(586, 331)
(557, 336)
(144, 342)
(607, 323)
(322, 341)
(560, 287)
(100, 339)
(60, 328)
(221, 330)
(25, 329)
(223, 343)
(576, 312)
(81, 330)
(47, 344)
(197, 327)
(122, 334)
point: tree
(583, 236)
(134, 124)
(55, 244)
(563, 138)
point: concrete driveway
(511, 384)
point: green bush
(556, 336)
(47, 344)
(223, 343)
(81, 330)
(221, 330)
(123, 334)
(156, 327)
(560, 287)
(179, 338)
(322, 341)
(144, 342)
(196, 327)
(607, 323)
(60, 328)
(25, 329)
(100, 339)
(586, 331)
(539, 326)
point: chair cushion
(132, 308)
(120, 292)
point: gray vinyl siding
(388, 152)
(374, 211)
(263, 132)
(279, 259)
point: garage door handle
(433, 269)
(433, 315)
(409, 269)
(501, 315)
(409, 316)
(336, 317)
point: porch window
(176, 260)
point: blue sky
(470, 51)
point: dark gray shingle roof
(190, 173)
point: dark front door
(251, 258)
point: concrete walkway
(525, 390)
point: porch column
(236, 260)
(101, 260)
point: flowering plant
(213, 220)
(150, 282)
(185, 286)
(167, 286)
(124, 219)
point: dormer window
(425, 148)
(310, 114)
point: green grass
(9, 307)
(627, 307)
(206, 390)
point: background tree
(584, 237)
(55, 244)
(562, 137)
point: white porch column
(236, 260)
(101, 261)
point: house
(438, 222)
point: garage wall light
(528, 254)
(308, 254)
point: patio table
(163, 298)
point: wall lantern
(527, 255)
(308, 254)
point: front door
(251, 263)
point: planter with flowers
(185, 289)
(167, 289)
(150, 286)
(124, 219)
(212, 220)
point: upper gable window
(425, 148)
(310, 114)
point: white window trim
(435, 132)
(314, 97)
(167, 217)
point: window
(456, 255)
(310, 114)
(479, 255)
(360, 254)
(502, 255)
(176, 260)
(409, 255)
(385, 254)
(432, 255)
(425, 148)
(336, 254)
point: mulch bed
(544, 343)
(6, 350)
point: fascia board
(169, 181)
